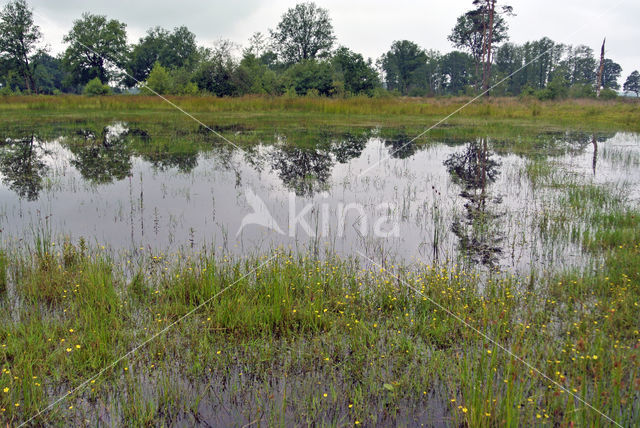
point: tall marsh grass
(585, 114)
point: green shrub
(158, 81)
(608, 94)
(582, 90)
(95, 87)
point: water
(468, 201)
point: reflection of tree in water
(401, 146)
(22, 166)
(349, 146)
(307, 171)
(105, 160)
(479, 233)
(102, 164)
(304, 171)
(184, 161)
(569, 142)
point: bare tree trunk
(486, 78)
(484, 45)
(600, 70)
(490, 46)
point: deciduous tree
(19, 36)
(402, 65)
(358, 75)
(97, 48)
(305, 32)
(610, 74)
(172, 50)
(632, 84)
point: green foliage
(455, 68)
(158, 81)
(580, 64)
(96, 88)
(469, 32)
(257, 78)
(171, 62)
(216, 73)
(632, 84)
(582, 90)
(310, 75)
(509, 59)
(556, 89)
(608, 94)
(6, 91)
(50, 75)
(19, 36)
(610, 74)
(402, 65)
(356, 76)
(172, 50)
(92, 39)
(304, 32)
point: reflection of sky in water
(201, 200)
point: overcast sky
(366, 26)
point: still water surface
(470, 201)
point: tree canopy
(402, 64)
(19, 36)
(632, 84)
(297, 58)
(170, 49)
(97, 48)
(304, 32)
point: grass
(302, 340)
(499, 116)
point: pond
(478, 201)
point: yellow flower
(324, 395)
(5, 390)
(68, 349)
(78, 346)
(464, 410)
(595, 357)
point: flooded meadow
(478, 202)
(318, 276)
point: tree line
(298, 57)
